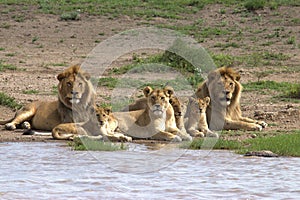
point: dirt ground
(41, 46)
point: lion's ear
(237, 77)
(169, 91)
(86, 75)
(147, 91)
(207, 100)
(107, 110)
(192, 99)
(61, 76)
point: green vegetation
(283, 144)
(89, 144)
(286, 90)
(30, 92)
(172, 9)
(4, 67)
(70, 16)
(253, 5)
(8, 101)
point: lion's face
(174, 101)
(158, 99)
(73, 87)
(103, 115)
(199, 105)
(221, 87)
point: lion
(224, 112)
(66, 116)
(109, 125)
(141, 103)
(196, 124)
(156, 121)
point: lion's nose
(157, 106)
(74, 92)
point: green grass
(4, 66)
(8, 101)
(88, 144)
(286, 90)
(68, 16)
(283, 144)
(30, 92)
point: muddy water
(53, 171)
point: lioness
(141, 103)
(64, 117)
(224, 89)
(156, 121)
(196, 124)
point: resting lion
(109, 126)
(66, 116)
(196, 124)
(141, 103)
(224, 89)
(156, 121)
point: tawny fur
(156, 121)
(224, 89)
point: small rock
(253, 135)
(261, 154)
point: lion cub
(109, 125)
(196, 124)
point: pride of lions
(158, 115)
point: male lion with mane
(224, 112)
(67, 116)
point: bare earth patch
(41, 46)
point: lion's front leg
(181, 133)
(236, 125)
(25, 114)
(195, 133)
(117, 137)
(67, 131)
(261, 123)
(167, 136)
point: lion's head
(223, 85)
(158, 99)
(102, 115)
(198, 105)
(174, 101)
(75, 88)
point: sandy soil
(41, 46)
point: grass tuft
(8, 101)
(283, 144)
(88, 144)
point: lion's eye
(80, 84)
(162, 98)
(231, 84)
(69, 84)
(153, 98)
(97, 115)
(103, 115)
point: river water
(54, 171)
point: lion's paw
(212, 134)
(125, 138)
(177, 139)
(26, 125)
(10, 126)
(262, 124)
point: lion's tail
(37, 133)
